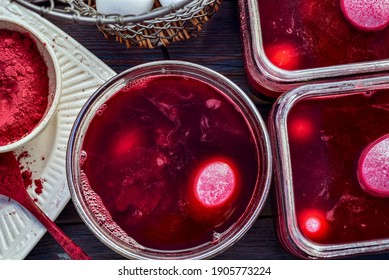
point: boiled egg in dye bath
(169, 2)
(124, 7)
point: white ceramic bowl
(54, 75)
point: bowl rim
(263, 179)
(54, 80)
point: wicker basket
(161, 31)
(173, 25)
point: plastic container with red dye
(331, 163)
(289, 43)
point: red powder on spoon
(24, 86)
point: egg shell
(124, 7)
(169, 2)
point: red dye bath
(331, 204)
(302, 34)
(172, 160)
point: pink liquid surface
(144, 152)
(327, 137)
(303, 34)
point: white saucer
(82, 74)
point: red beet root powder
(24, 86)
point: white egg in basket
(169, 2)
(124, 7)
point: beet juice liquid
(153, 147)
(326, 138)
(302, 34)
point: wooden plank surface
(218, 47)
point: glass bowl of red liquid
(289, 43)
(30, 83)
(331, 152)
(169, 160)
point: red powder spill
(39, 186)
(23, 155)
(27, 175)
(24, 86)
(10, 179)
(27, 178)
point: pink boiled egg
(373, 167)
(301, 129)
(367, 15)
(215, 183)
(313, 224)
(126, 142)
(284, 55)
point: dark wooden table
(219, 47)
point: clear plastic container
(156, 123)
(292, 43)
(319, 135)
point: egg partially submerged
(124, 7)
(373, 167)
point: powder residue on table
(27, 175)
(24, 86)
